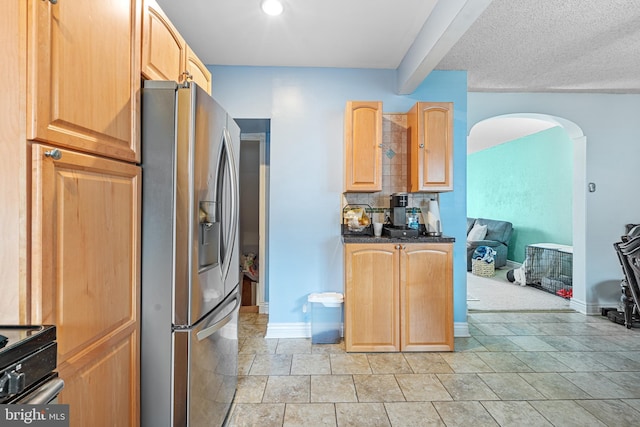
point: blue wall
(528, 182)
(306, 108)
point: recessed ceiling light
(272, 7)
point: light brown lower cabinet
(85, 279)
(398, 297)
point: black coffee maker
(399, 210)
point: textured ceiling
(513, 45)
(551, 46)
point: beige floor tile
(563, 343)
(250, 389)
(427, 363)
(494, 329)
(377, 388)
(361, 415)
(310, 364)
(504, 362)
(309, 414)
(349, 364)
(388, 363)
(466, 387)
(580, 361)
(271, 364)
(614, 412)
(327, 348)
(598, 386)
(628, 380)
(333, 388)
(468, 344)
(287, 389)
(293, 345)
(464, 414)
(616, 361)
(515, 414)
(510, 386)
(244, 363)
(531, 343)
(258, 345)
(541, 361)
(466, 362)
(525, 329)
(498, 343)
(554, 386)
(253, 414)
(413, 414)
(565, 413)
(422, 387)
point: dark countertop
(386, 239)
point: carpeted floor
(498, 294)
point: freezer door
(206, 367)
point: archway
(511, 126)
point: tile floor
(517, 369)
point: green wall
(528, 182)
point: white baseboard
(303, 330)
(590, 309)
(263, 308)
(461, 330)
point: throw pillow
(478, 232)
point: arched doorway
(498, 129)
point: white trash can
(326, 317)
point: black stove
(28, 356)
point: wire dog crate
(549, 267)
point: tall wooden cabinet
(398, 297)
(71, 141)
(430, 156)
(363, 146)
(85, 251)
(165, 54)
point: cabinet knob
(421, 145)
(55, 154)
(52, 1)
(397, 246)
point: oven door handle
(44, 394)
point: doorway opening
(500, 129)
(254, 213)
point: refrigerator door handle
(210, 330)
(231, 231)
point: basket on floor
(481, 268)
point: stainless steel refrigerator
(190, 264)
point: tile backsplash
(394, 172)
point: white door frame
(263, 223)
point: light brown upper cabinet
(165, 54)
(198, 71)
(430, 139)
(84, 75)
(363, 146)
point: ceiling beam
(449, 20)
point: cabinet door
(426, 297)
(164, 51)
(84, 75)
(430, 147)
(198, 71)
(371, 320)
(85, 272)
(362, 142)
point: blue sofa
(498, 236)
